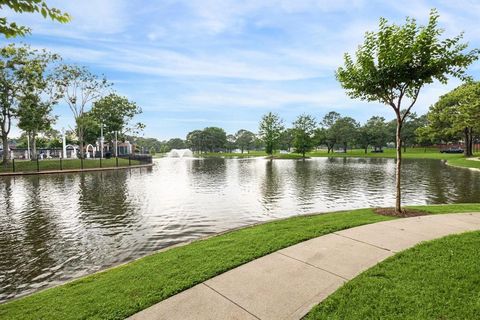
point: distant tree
(287, 139)
(245, 139)
(394, 64)
(373, 133)
(457, 113)
(91, 127)
(80, 88)
(176, 143)
(344, 131)
(320, 137)
(196, 141)
(410, 126)
(231, 143)
(270, 131)
(215, 138)
(115, 113)
(11, 29)
(328, 135)
(303, 133)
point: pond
(57, 227)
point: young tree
(245, 139)
(394, 64)
(303, 133)
(270, 131)
(80, 88)
(11, 29)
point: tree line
(34, 81)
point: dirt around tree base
(406, 213)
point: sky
(198, 63)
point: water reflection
(57, 227)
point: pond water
(57, 227)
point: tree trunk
(398, 199)
(345, 148)
(468, 152)
(6, 153)
(33, 145)
(366, 149)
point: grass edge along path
(437, 279)
(124, 290)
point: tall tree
(303, 133)
(270, 131)
(80, 88)
(395, 63)
(37, 101)
(11, 29)
(457, 113)
(20, 69)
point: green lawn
(68, 164)
(438, 279)
(119, 292)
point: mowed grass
(439, 279)
(122, 291)
(66, 164)
(455, 159)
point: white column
(28, 146)
(101, 141)
(64, 143)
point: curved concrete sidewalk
(288, 283)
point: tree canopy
(12, 29)
(270, 131)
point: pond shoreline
(29, 173)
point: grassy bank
(66, 164)
(434, 280)
(119, 292)
(457, 160)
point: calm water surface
(58, 227)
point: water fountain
(180, 153)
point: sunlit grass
(434, 280)
(66, 164)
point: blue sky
(197, 63)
